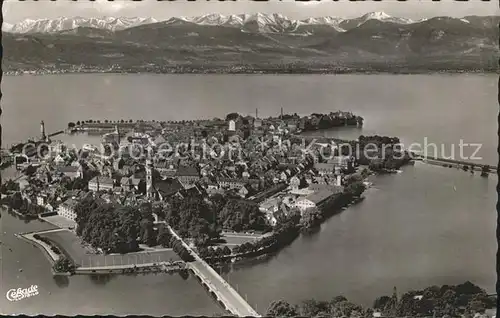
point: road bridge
(225, 294)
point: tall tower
(256, 113)
(281, 117)
(149, 178)
(338, 176)
(117, 132)
(42, 130)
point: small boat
(455, 188)
(20, 270)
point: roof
(125, 181)
(159, 140)
(187, 171)
(70, 203)
(64, 169)
(339, 160)
(334, 189)
(284, 166)
(320, 196)
(238, 180)
(168, 187)
(326, 166)
(162, 165)
(102, 180)
(135, 181)
(74, 193)
(139, 175)
(168, 172)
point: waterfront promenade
(224, 293)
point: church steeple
(149, 178)
(117, 132)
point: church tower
(338, 176)
(149, 178)
(117, 132)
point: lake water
(427, 225)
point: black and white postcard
(249, 159)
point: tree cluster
(181, 250)
(114, 229)
(23, 206)
(326, 121)
(337, 307)
(464, 300)
(214, 254)
(455, 301)
(311, 218)
(49, 243)
(380, 153)
(9, 185)
(63, 265)
(193, 217)
(284, 233)
(239, 215)
(76, 184)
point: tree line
(463, 300)
(22, 205)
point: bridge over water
(225, 294)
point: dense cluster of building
(256, 160)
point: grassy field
(233, 239)
(71, 245)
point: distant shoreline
(261, 72)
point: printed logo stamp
(21, 293)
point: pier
(56, 133)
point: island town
(188, 196)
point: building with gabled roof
(72, 172)
(313, 200)
(187, 175)
(167, 188)
(101, 183)
(67, 209)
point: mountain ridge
(275, 22)
(259, 41)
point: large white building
(67, 209)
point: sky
(15, 11)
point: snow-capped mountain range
(259, 22)
(63, 23)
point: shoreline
(257, 72)
(329, 211)
(29, 238)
